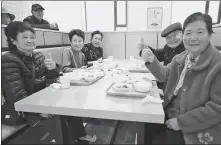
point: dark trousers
(160, 134)
(73, 128)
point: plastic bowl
(142, 87)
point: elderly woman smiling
(93, 51)
(24, 71)
(192, 100)
(73, 57)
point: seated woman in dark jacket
(93, 51)
(25, 71)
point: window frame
(219, 12)
(115, 16)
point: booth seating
(9, 130)
(56, 53)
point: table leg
(62, 136)
(115, 132)
(140, 132)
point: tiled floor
(126, 133)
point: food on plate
(122, 87)
(84, 75)
(142, 86)
(90, 77)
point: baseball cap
(34, 7)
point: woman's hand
(172, 124)
(84, 67)
(147, 55)
(141, 45)
(50, 64)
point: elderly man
(6, 17)
(174, 46)
(37, 21)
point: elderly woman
(25, 72)
(73, 58)
(93, 51)
(192, 100)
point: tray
(86, 83)
(131, 93)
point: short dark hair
(198, 16)
(96, 32)
(77, 32)
(12, 30)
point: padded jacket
(17, 75)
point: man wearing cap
(6, 17)
(37, 21)
(174, 46)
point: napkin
(151, 99)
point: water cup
(125, 71)
(105, 68)
(132, 58)
(111, 58)
(65, 82)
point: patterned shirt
(188, 64)
(92, 53)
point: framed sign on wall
(154, 17)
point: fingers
(147, 52)
(84, 67)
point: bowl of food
(142, 86)
(122, 87)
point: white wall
(20, 9)
(68, 14)
(137, 14)
(182, 9)
(100, 15)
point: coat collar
(21, 55)
(203, 60)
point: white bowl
(142, 86)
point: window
(213, 8)
(120, 15)
(100, 15)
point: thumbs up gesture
(141, 44)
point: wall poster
(154, 17)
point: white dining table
(92, 101)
